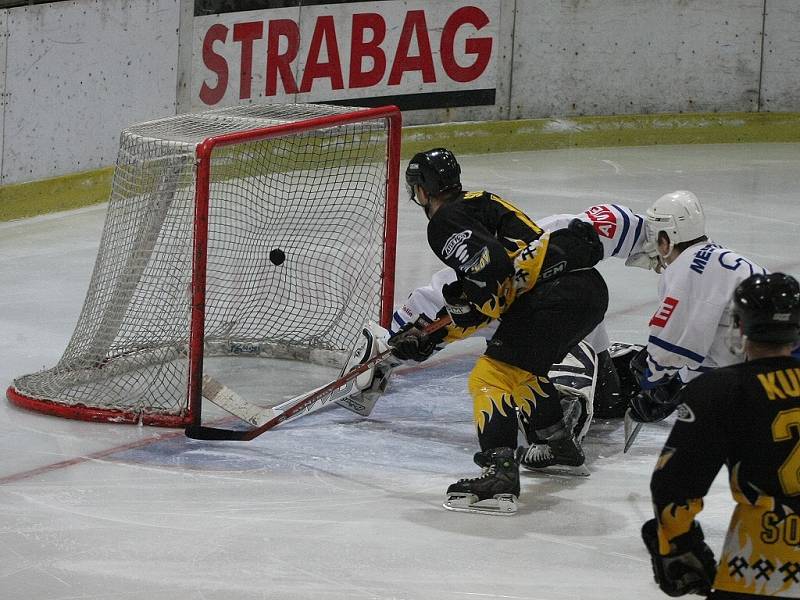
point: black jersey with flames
(748, 417)
(491, 245)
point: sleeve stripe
(638, 231)
(397, 321)
(626, 223)
(675, 349)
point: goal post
(261, 230)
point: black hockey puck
(276, 256)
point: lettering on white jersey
(732, 261)
(701, 258)
(604, 220)
(664, 312)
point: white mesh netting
(319, 197)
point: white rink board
(781, 78)
(77, 74)
(603, 58)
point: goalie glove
(689, 568)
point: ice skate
(494, 492)
(556, 457)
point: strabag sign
(413, 54)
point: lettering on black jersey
(454, 241)
(684, 413)
(477, 263)
(553, 270)
(782, 384)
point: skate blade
(502, 505)
(559, 471)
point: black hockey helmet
(436, 171)
(768, 308)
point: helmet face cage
(768, 308)
(413, 178)
(411, 194)
(650, 244)
(733, 336)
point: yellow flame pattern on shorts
(496, 386)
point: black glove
(593, 251)
(645, 408)
(654, 402)
(461, 311)
(412, 343)
(639, 368)
(688, 569)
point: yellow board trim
(75, 190)
(22, 200)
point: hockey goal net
(257, 230)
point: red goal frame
(203, 200)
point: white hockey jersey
(621, 232)
(689, 331)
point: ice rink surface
(334, 506)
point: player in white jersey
(622, 234)
(688, 333)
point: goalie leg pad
(373, 341)
(370, 384)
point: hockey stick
(310, 402)
(632, 429)
(218, 393)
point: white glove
(648, 259)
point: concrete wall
(598, 58)
(75, 73)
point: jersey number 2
(789, 471)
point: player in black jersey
(748, 417)
(546, 295)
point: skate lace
(487, 471)
(536, 453)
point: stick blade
(632, 429)
(200, 432)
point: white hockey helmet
(679, 214)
